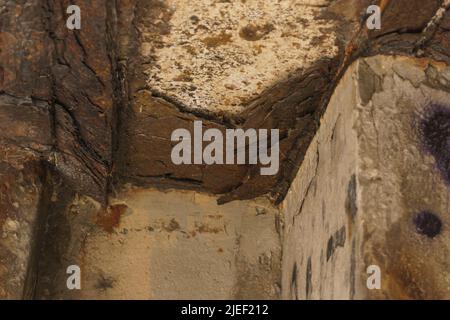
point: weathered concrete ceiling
(291, 100)
(221, 55)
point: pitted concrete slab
(219, 55)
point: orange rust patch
(109, 218)
(384, 4)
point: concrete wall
(373, 189)
(359, 199)
(151, 244)
(84, 113)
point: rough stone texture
(150, 244)
(366, 176)
(21, 190)
(293, 103)
(56, 115)
(220, 55)
(84, 76)
(83, 97)
(285, 92)
(65, 76)
(84, 109)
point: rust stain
(172, 226)
(384, 4)
(109, 218)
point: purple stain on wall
(434, 131)
(428, 224)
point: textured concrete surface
(83, 113)
(317, 254)
(151, 244)
(186, 61)
(220, 55)
(378, 162)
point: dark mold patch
(330, 248)
(172, 226)
(52, 242)
(353, 271)
(253, 32)
(434, 132)
(350, 202)
(335, 241)
(294, 291)
(427, 223)
(308, 288)
(104, 283)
